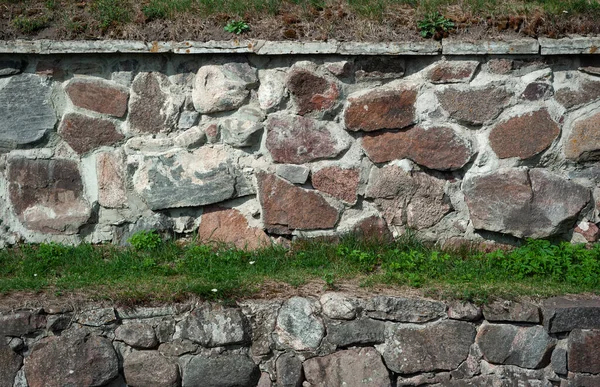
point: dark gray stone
(563, 314)
(511, 311)
(11, 67)
(26, 110)
(583, 380)
(584, 351)
(137, 335)
(20, 323)
(10, 363)
(58, 322)
(357, 332)
(289, 371)
(405, 309)
(221, 371)
(298, 325)
(150, 368)
(559, 359)
(214, 325)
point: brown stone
(583, 143)
(150, 368)
(453, 72)
(50, 68)
(47, 195)
(10, 363)
(85, 133)
(20, 323)
(99, 96)
(379, 67)
(588, 230)
(311, 92)
(298, 140)
(583, 380)
(415, 200)
(150, 108)
(512, 311)
(373, 228)
(524, 136)
(381, 109)
(500, 66)
(474, 106)
(584, 351)
(536, 91)
(110, 170)
(287, 207)
(338, 182)
(435, 148)
(587, 92)
(228, 225)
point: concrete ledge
(572, 45)
(513, 47)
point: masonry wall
(247, 148)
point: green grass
(170, 271)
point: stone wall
(247, 148)
(332, 341)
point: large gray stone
(244, 128)
(289, 370)
(150, 368)
(20, 323)
(298, 325)
(527, 347)
(511, 311)
(357, 332)
(137, 335)
(26, 110)
(338, 306)
(151, 107)
(442, 346)
(214, 325)
(10, 363)
(563, 314)
(221, 371)
(184, 179)
(534, 203)
(405, 309)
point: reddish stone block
(381, 109)
(85, 133)
(338, 182)
(99, 96)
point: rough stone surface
(524, 136)
(461, 310)
(110, 171)
(177, 347)
(137, 335)
(533, 203)
(442, 346)
(416, 199)
(583, 380)
(150, 368)
(99, 96)
(289, 370)
(20, 323)
(11, 363)
(296, 174)
(527, 347)
(381, 109)
(219, 88)
(373, 228)
(97, 317)
(338, 182)
(587, 92)
(400, 309)
(584, 351)
(337, 306)
(435, 148)
(11, 67)
(85, 134)
(220, 371)
(244, 128)
(297, 140)
(511, 311)
(453, 72)
(563, 314)
(588, 230)
(558, 359)
(378, 67)
(474, 106)
(76, 360)
(184, 179)
(353, 367)
(231, 227)
(358, 332)
(151, 109)
(214, 325)
(271, 89)
(18, 126)
(286, 207)
(583, 143)
(298, 326)
(536, 91)
(311, 91)
(47, 195)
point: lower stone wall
(332, 341)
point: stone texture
(97, 317)
(215, 325)
(353, 367)
(583, 380)
(110, 172)
(461, 310)
(337, 306)
(85, 134)
(563, 314)
(400, 309)
(271, 89)
(298, 140)
(219, 88)
(150, 368)
(452, 72)
(586, 92)
(11, 67)
(534, 203)
(435, 148)
(151, 109)
(584, 351)
(244, 128)
(298, 326)
(17, 102)
(511, 311)
(230, 370)
(442, 346)
(536, 91)
(289, 370)
(286, 207)
(177, 348)
(338, 182)
(188, 119)
(583, 143)
(76, 360)
(416, 200)
(296, 174)
(311, 91)
(20, 323)
(558, 360)
(524, 136)
(231, 227)
(527, 347)
(186, 179)
(99, 96)
(377, 67)
(137, 335)
(588, 230)
(381, 108)
(47, 195)
(358, 332)
(11, 363)
(373, 228)
(474, 106)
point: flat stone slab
(572, 45)
(563, 314)
(519, 46)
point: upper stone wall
(248, 147)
